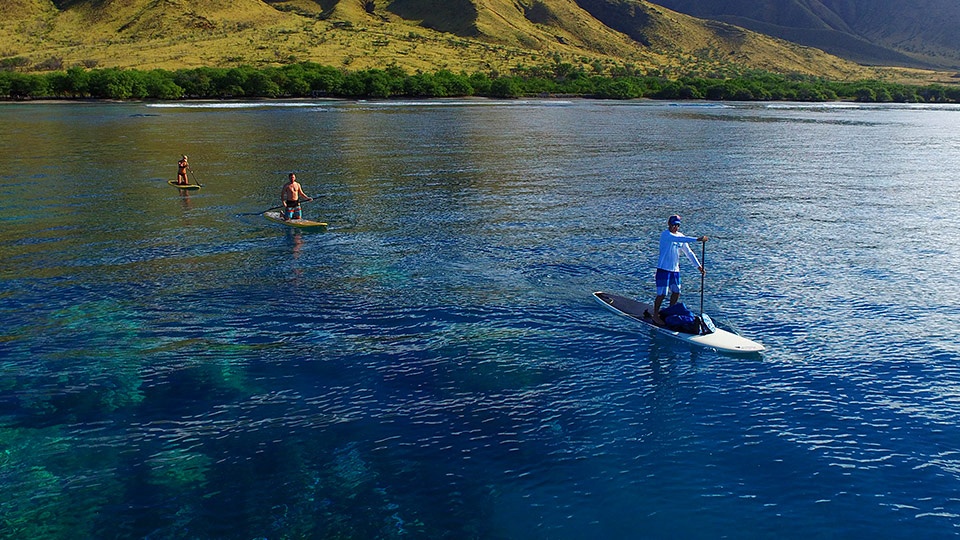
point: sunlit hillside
(416, 35)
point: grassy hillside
(469, 35)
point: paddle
(260, 212)
(196, 178)
(269, 209)
(706, 324)
(308, 199)
(703, 275)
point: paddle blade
(706, 325)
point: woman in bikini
(182, 167)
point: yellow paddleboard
(183, 186)
(298, 223)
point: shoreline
(317, 101)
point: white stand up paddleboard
(719, 339)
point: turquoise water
(173, 365)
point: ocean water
(173, 365)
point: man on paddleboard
(672, 242)
(182, 167)
(290, 196)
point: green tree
(70, 83)
(619, 89)
(23, 85)
(309, 78)
(377, 84)
(6, 81)
(258, 84)
(933, 94)
(480, 83)
(951, 94)
(865, 94)
(678, 90)
(159, 84)
(455, 85)
(196, 83)
(323, 80)
(505, 87)
(231, 82)
(14, 63)
(111, 83)
(292, 80)
(422, 85)
(352, 85)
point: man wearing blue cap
(668, 265)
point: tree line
(559, 79)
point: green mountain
(426, 35)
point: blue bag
(678, 318)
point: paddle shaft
(269, 209)
(195, 177)
(283, 206)
(703, 264)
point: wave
(236, 105)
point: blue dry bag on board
(680, 319)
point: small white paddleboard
(719, 339)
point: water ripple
(434, 365)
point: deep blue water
(434, 366)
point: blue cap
(674, 220)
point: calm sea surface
(173, 365)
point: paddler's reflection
(185, 199)
(296, 240)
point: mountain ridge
(416, 35)
(921, 33)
